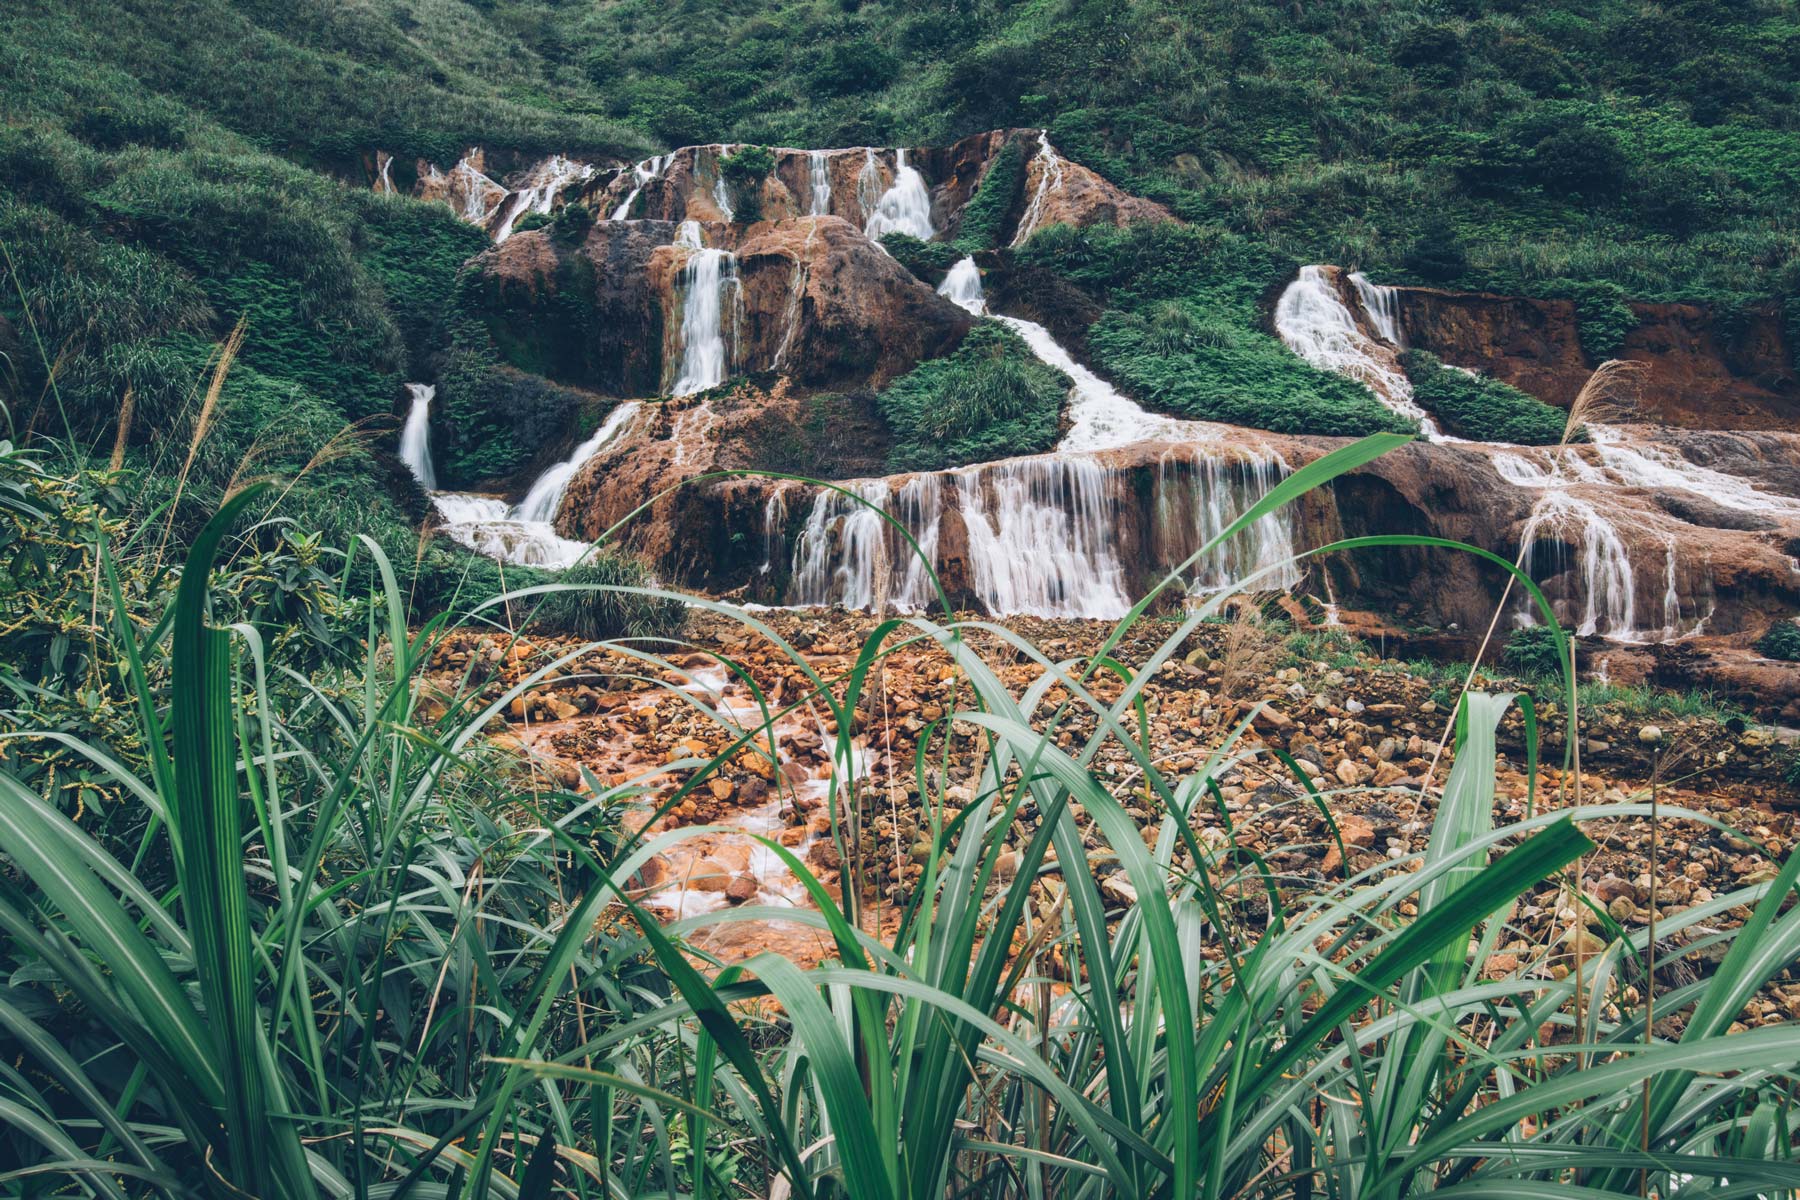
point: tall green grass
(339, 961)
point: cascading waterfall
(841, 555)
(818, 184)
(1608, 604)
(641, 174)
(962, 286)
(481, 195)
(796, 296)
(1050, 178)
(706, 279)
(1316, 324)
(384, 173)
(1382, 304)
(903, 208)
(1041, 536)
(546, 181)
(525, 533)
(775, 515)
(721, 189)
(1200, 491)
(415, 435)
(868, 184)
(1100, 418)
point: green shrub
(1602, 317)
(982, 223)
(990, 399)
(927, 260)
(1782, 641)
(748, 164)
(1474, 406)
(595, 614)
(571, 224)
(533, 220)
(851, 68)
(1531, 651)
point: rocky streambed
(1365, 732)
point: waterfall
(1041, 535)
(415, 435)
(525, 533)
(721, 191)
(1316, 324)
(818, 184)
(1200, 491)
(962, 286)
(1050, 178)
(775, 514)
(544, 497)
(796, 295)
(705, 278)
(480, 195)
(546, 181)
(641, 174)
(841, 555)
(1100, 418)
(384, 173)
(903, 208)
(1608, 583)
(1382, 304)
(868, 185)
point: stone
(741, 890)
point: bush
(926, 260)
(571, 224)
(1474, 406)
(850, 68)
(1782, 641)
(1531, 651)
(983, 221)
(1437, 254)
(991, 399)
(597, 614)
(531, 221)
(749, 165)
(1602, 317)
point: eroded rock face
(1700, 373)
(692, 184)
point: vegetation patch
(991, 399)
(1782, 641)
(983, 220)
(1475, 406)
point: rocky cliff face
(1703, 371)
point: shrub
(983, 220)
(571, 224)
(1782, 641)
(1531, 651)
(588, 611)
(1475, 406)
(926, 260)
(1602, 317)
(990, 399)
(850, 68)
(1437, 254)
(748, 165)
(531, 221)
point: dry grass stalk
(228, 353)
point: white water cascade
(818, 184)
(903, 208)
(641, 174)
(525, 533)
(1316, 324)
(708, 280)
(1382, 304)
(722, 189)
(546, 181)
(1050, 178)
(480, 195)
(415, 435)
(384, 174)
(1041, 537)
(1100, 418)
(1199, 494)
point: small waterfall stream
(1316, 324)
(546, 181)
(415, 435)
(525, 533)
(708, 282)
(1050, 177)
(903, 208)
(641, 174)
(818, 184)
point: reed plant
(353, 953)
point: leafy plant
(1533, 652)
(1481, 408)
(982, 221)
(1781, 641)
(990, 399)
